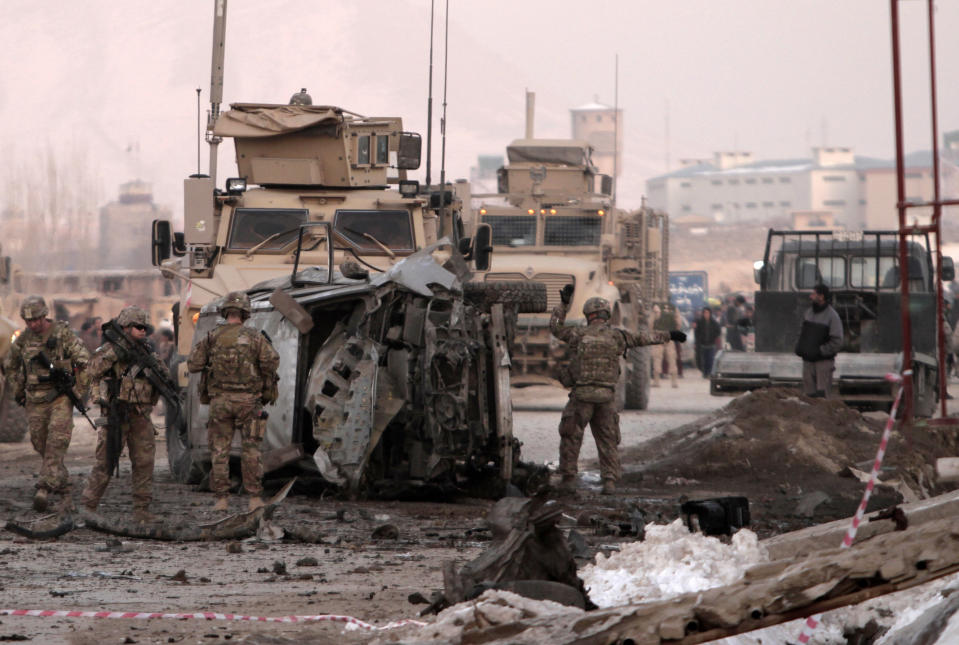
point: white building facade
(858, 192)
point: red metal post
(901, 207)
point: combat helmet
(236, 300)
(597, 305)
(133, 315)
(33, 307)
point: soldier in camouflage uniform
(49, 413)
(135, 396)
(239, 365)
(594, 367)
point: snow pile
(671, 561)
(493, 607)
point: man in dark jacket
(820, 339)
(708, 336)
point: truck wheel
(184, 468)
(637, 379)
(528, 297)
(13, 419)
(925, 389)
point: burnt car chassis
(389, 385)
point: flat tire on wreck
(184, 468)
(527, 297)
(13, 420)
(637, 379)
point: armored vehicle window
(512, 230)
(393, 229)
(382, 149)
(863, 274)
(572, 231)
(363, 150)
(250, 226)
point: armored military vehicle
(863, 273)
(554, 222)
(13, 420)
(394, 370)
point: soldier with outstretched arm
(127, 397)
(45, 362)
(239, 372)
(594, 365)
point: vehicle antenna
(429, 104)
(216, 81)
(199, 137)
(446, 57)
(615, 128)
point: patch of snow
(669, 562)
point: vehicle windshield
(251, 226)
(393, 229)
(572, 231)
(512, 230)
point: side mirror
(5, 269)
(483, 247)
(410, 147)
(502, 181)
(606, 185)
(162, 241)
(948, 269)
(179, 245)
(759, 271)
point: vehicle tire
(528, 297)
(925, 389)
(637, 379)
(183, 467)
(13, 419)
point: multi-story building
(856, 191)
(596, 124)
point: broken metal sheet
(329, 472)
(418, 271)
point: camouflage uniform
(49, 415)
(594, 366)
(240, 363)
(136, 398)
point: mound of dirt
(797, 459)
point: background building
(126, 227)
(595, 123)
(857, 192)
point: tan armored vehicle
(13, 421)
(394, 369)
(554, 222)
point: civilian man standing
(820, 339)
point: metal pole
(429, 106)
(900, 206)
(937, 212)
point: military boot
(222, 504)
(256, 502)
(40, 500)
(567, 486)
(609, 487)
(143, 516)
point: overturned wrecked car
(388, 384)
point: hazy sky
(774, 77)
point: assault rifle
(63, 382)
(140, 356)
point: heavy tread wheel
(528, 297)
(183, 467)
(637, 379)
(13, 420)
(925, 389)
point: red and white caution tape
(813, 621)
(330, 618)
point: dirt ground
(780, 450)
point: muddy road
(370, 557)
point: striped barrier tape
(813, 621)
(331, 618)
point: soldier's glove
(566, 294)
(678, 336)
